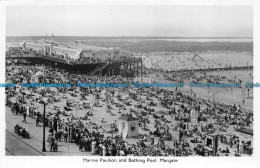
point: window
(133, 127)
(209, 142)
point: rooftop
(39, 73)
(72, 45)
(128, 118)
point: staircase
(99, 69)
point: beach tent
(128, 126)
(38, 77)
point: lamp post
(23, 93)
(77, 110)
(43, 139)
(69, 133)
(69, 139)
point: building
(102, 55)
(70, 53)
(128, 126)
(52, 49)
(78, 57)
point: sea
(87, 38)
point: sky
(130, 20)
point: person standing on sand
(37, 120)
(180, 134)
(152, 139)
(93, 147)
(24, 117)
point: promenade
(35, 140)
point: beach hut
(128, 126)
(38, 77)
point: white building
(51, 49)
(72, 52)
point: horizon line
(132, 36)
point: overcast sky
(163, 21)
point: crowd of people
(193, 60)
(171, 123)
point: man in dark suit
(24, 116)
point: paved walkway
(35, 141)
(16, 147)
